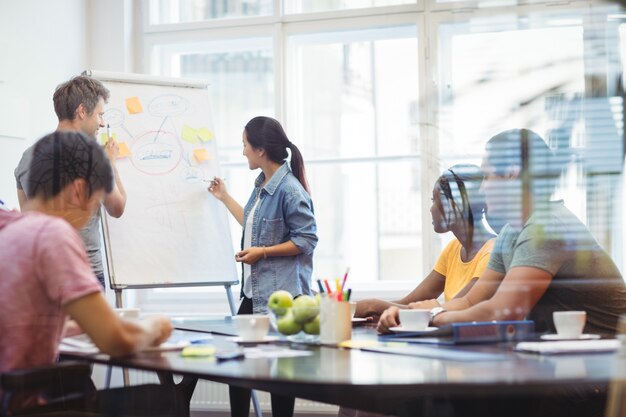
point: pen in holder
(335, 320)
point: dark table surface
(381, 381)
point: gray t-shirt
(90, 234)
(584, 276)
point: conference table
(479, 379)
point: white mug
(414, 319)
(252, 327)
(352, 308)
(569, 324)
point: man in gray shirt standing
(79, 105)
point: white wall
(42, 43)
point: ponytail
(297, 166)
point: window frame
(426, 15)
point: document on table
(178, 340)
(569, 346)
(273, 351)
(435, 352)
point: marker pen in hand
(212, 182)
(108, 131)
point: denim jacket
(285, 212)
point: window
(308, 6)
(241, 76)
(358, 105)
(179, 11)
(382, 95)
(534, 70)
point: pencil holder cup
(335, 321)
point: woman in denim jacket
(279, 231)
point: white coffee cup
(414, 319)
(352, 308)
(252, 327)
(128, 313)
(569, 324)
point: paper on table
(452, 354)
(82, 344)
(77, 344)
(569, 346)
(272, 351)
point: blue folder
(475, 332)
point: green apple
(312, 327)
(287, 325)
(280, 301)
(305, 309)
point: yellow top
(458, 273)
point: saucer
(581, 337)
(400, 329)
(266, 339)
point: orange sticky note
(201, 155)
(133, 105)
(124, 150)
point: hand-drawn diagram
(158, 152)
(168, 105)
(173, 231)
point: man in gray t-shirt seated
(79, 105)
(544, 260)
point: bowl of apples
(298, 318)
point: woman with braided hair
(458, 207)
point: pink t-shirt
(44, 267)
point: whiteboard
(172, 232)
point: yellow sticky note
(197, 351)
(133, 105)
(358, 344)
(205, 134)
(201, 155)
(124, 150)
(189, 134)
(104, 138)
